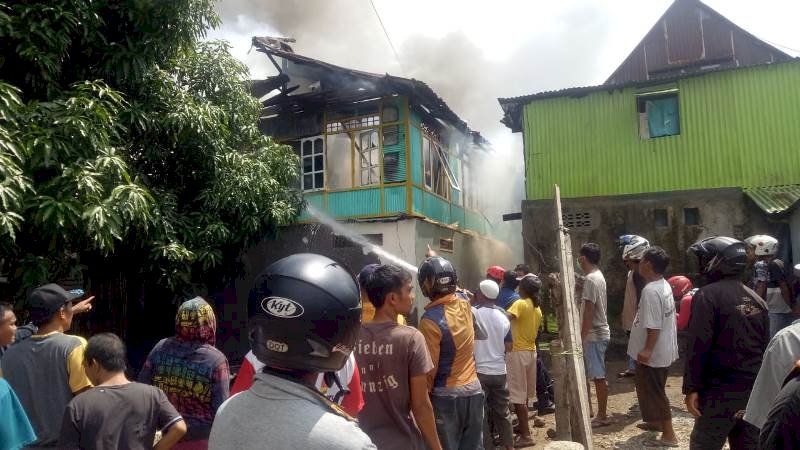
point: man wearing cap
(490, 364)
(507, 280)
(46, 370)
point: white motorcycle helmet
(763, 245)
(633, 247)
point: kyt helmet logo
(281, 307)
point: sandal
(520, 442)
(628, 373)
(659, 443)
(597, 423)
(648, 426)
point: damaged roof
(350, 86)
(689, 39)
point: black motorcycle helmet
(437, 277)
(305, 313)
(720, 256)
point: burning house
(694, 134)
(383, 159)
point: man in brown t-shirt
(394, 363)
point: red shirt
(348, 375)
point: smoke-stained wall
(404, 238)
(661, 218)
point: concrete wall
(722, 212)
(407, 239)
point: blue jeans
(459, 421)
(779, 321)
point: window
(313, 163)
(427, 162)
(369, 157)
(691, 216)
(577, 220)
(661, 218)
(391, 135)
(390, 114)
(438, 175)
(659, 115)
(353, 124)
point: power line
(386, 33)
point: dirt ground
(623, 434)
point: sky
(473, 51)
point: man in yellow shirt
(526, 318)
(367, 308)
(46, 370)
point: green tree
(128, 141)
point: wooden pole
(558, 372)
(570, 334)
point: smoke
(467, 60)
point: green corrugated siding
(316, 199)
(435, 208)
(457, 215)
(476, 222)
(360, 202)
(738, 128)
(400, 150)
(394, 199)
(417, 200)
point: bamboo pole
(570, 335)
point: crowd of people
(333, 365)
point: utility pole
(571, 335)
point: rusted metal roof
(775, 199)
(689, 39)
(691, 36)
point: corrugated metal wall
(739, 128)
(359, 202)
(394, 199)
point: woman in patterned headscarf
(191, 371)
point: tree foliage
(125, 135)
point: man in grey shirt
(305, 312)
(595, 332)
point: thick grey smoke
(347, 33)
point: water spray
(358, 239)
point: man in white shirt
(654, 346)
(490, 364)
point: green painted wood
(435, 208)
(739, 128)
(316, 199)
(415, 140)
(359, 202)
(394, 199)
(417, 200)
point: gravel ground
(623, 434)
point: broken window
(339, 157)
(659, 114)
(390, 114)
(391, 135)
(427, 162)
(438, 175)
(368, 149)
(353, 123)
(313, 163)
